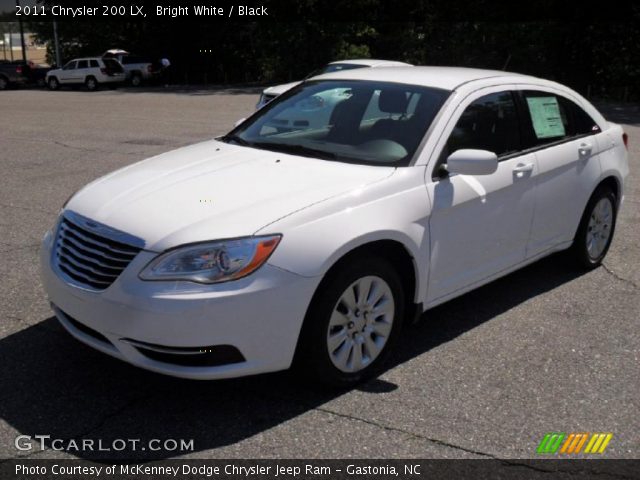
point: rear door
(480, 224)
(81, 71)
(563, 137)
(94, 68)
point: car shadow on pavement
(53, 385)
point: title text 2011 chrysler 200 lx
(283, 244)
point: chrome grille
(88, 254)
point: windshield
(375, 123)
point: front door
(480, 224)
(68, 71)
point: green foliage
(344, 50)
(600, 57)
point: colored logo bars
(572, 443)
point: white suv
(90, 71)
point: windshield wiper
(237, 139)
(296, 149)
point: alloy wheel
(360, 324)
(599, 228)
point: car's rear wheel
(4, 83)
(352, 323)
(91, 83)
(53, 83)
(596, 229)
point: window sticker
(546, 118)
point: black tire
(4, 82)
(136, 80)
(91, 83)
(313, 360)
(53, 83)
(580, 249)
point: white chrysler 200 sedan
(271, 247)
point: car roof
(447, 78)
(371, 62)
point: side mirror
(239, 122)
(472, 162)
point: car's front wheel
(53, 83)
(352, 323)
(597, 225)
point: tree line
(598, 57)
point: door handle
(522, 168)
(585, 149)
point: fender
(396, 208)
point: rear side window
(489, 123)
(94, 64)
(554, 118)
(83, 64)
(583, 123)
(548, 117)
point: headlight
(212, 262)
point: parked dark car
(18, 73)
(13, 74)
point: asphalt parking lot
(486, 375)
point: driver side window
(489, 123)
(70, 65)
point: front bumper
(260, 316)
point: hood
(280, 89)
(214, 190)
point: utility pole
(11, 40)
(24, 51)
(56, 44)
